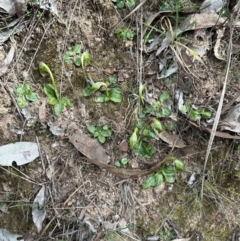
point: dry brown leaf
(109, 71)
(123, 146)
(172, 140)
(42, 111)
(5, 63)
(89, 147)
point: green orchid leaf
(66, 102)
(149, 182)
(144, 150)
(50, 91)
(124, 33)
(130, 3)
(141, 124)
(101, 139)
(184, 109)
(102, 98)
(124, 161)
(133, 141)
(149, 109)
(44, 69)
(164, 96)
(169, 173)
(22, 89)
(77, 61)
(106, 133)
(168, 126)
(158, 179)
(32, 97)
(52, 100)
(166, 112)
(96, 86)
(88, 91)
(111, 80)
(117, 164)
(120, 5)
(21, 101)
(58, 108)
(91, 128)
(115, 95)
(85, 58)
(157, 124)
(67, 57)
(205, 113)
(77, 48)
(179, 165)
(149, 133)
(170, 178)
(105, 127)
(194, 115)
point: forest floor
(165, 64)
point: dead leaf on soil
(212, 6)
(218, 133)
(5, 63)
(123, 146)
(231, 121)
(8, 6)
(20, 152)
(109, 71)
(96, 155)
(57, 130)
(172, 140)
(42, 111)
(7, 236)
(38, 211)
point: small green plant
(195, 114)
(108, 93)
(24, 93)
(100, 132)
(124, 33)
(143, 131)
(59, 102)
(122, 3)
(122, 163)
(75, 56)
(165, 172)
(158, 108)
(167, 235)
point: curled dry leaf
(172, 140)
(8, 6)
(231, 121)
(42, 111)
(109, 71)
(7, 236)
(38, 211)
(5, 63)
(123, 146)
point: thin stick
(217, 117)
(40, 153)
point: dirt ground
(90, 200)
